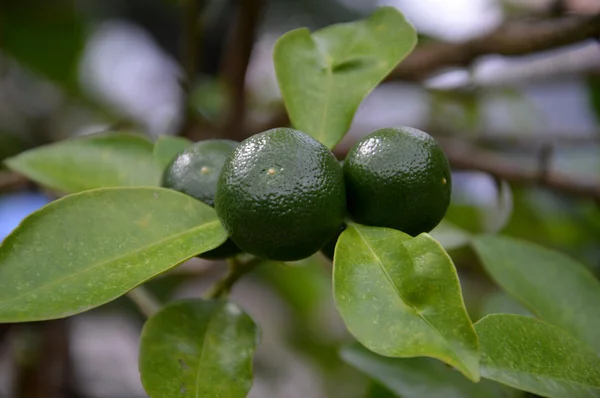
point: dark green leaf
(94, 161)
(47, 37)
(199, 349)
(419, 377)
(594, 95)
(534, 356)
(400, 297)
(167, 147)
(86, 249)
(553, 286)
(376, 390)
(324, 76)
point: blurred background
(510, 88)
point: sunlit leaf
(324, 76)
(400, 297)
(86, 249)
(88, 162)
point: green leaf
(450, 235)
(594, 95)
(419, 377)
(47, 37)
(199, 349)
(86, 249)
(400, 297)
(551, 285)
(324, 77)
(167, 147)
(88, 162)
(534, 356)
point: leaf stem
(237, 269)
(144, 300)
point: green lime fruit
(195, 172)
(281, 195)
(398, 178)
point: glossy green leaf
(88, 162)
(551, 285)
(324, 76)
(86, 249)
(167, 147)
(534, 356)
(400, 297)
(198, 349)
(420, 377)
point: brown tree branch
(10, 181)
(45, 371)
(191, 40)
(513, 38)
(236, 63)
(465, 156)
(190, 52)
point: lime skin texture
(398, 178)
(195, 172)
(281, 195)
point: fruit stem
(144, 300)
(237, 269)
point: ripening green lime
(398, 178)
(281, 195)
(195, 172)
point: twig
(464, 156)
(144, 300)
(513, 38)
(237, 269)
(10, 181)
(189, 58)
(236, 63)
(191, 40)
(43, 369)
(545, 159)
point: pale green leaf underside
(551, 285)
(198, 349)
(89, 162)
(400, 297)
(86, 249)
(324, 77)
(529, 354)
(420, 377)
(167, 147)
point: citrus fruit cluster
(282, 195)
